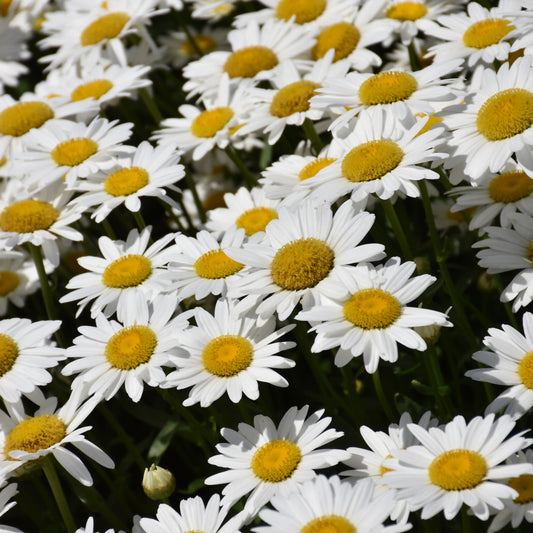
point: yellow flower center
(303, 10)
(9, 281)
(301, 264)
(4, 7)
(510, 187)
(384, 469)
(34, 434)
(372, 309)
(505, 114)
(214, 200)
(407, 11)
(208, 123)
(249, 61)
(293, 98)
(27, 216)
(486, 33)
(457, 469)
(329, 524)
(130, 347)
(524, 486)
(525, 369)
(20, 118)
(215, 264)
(227, 355)
(256, 219)
(127, 271)
(371, 160)
(92, 89)
(74, 151)
(276, 460)
(342, 36)
(106, 27)
(203, 42)
(126, 181)
(314, 167)
(9, 351)
(387, 88)
(433, 120)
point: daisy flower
(25, 439)
(458, 464)
(509, 361)
(18, 279)
(229, 353)
(497, 119)
(146, 172)
(112, 355)
(264, 460)
(129, 273)
(14, 49)
(181, 48)
(212, 10)
(323, 504)
(304, 256)
(374, 317)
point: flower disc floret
(293, 98)
(302, 264)
(20, 118)
(342, 37)
(484, 33)
(314, 167)
(510, 187)
(506, 114)
(525, 370)
(208, 123)
(249, 61)
(524, 486)
(329, 524)
(201, 41)
(27, 216)
(387, 88)
(74, 151)
(126, 181)
(106, 27)
(371, 160)
(458, 469)
(9, 351)
(227, 355)
(407, 11)
(303, 10)
(92, 89)
(9, 281)
(131, 347)
(372, 309)
(127, 271)
(256, 219)
(215, 264)
(276, 460)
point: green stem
(197, 202)
(397, 228)
(151, 105)
(172, 215)
(59, 496)
(141, 224)
(249, 178)
(381, 396)
(108, 229)
(414, 60)
(190, 36)
(436, 380)
(312, 135)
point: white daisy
(18, 279)
(458, 464)
(5, 495)
(212, 10)
(14, 49)
(264, 460)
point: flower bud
(158, 483)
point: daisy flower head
(509, 361)
(264, 460)
(129, 354)
(212, 10)
(304, 256)
(229, 353)
(375, 316)
(457, 464)
(25, 439)
(146, 171)
(129, 273)
(18, 279)
(323, 504)
(14, 49)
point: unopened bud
(423, 266)
(429, 333)
(485, 283)
(158, 483)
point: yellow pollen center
(486, 33)
(433, 120)
(20, 118)
(4, 7)
(342, 36)
(384, 469)
(371, 160)
(372, 309)
(215, 200)
(276, 460)
(301, 264)
(303, 10)
(130, 347)
(329, 524)
(9, 281)
(510, 187)
(407, 11)
(314, 167)
(256, 219)
(106, 27)
(9, 352)
(505, 114)
(34, 434)
(126, 181)
(293, 98)
(74, 151)
(215, 264)
(457, 470)
(203, 42)
(525, 370)
(27, 216)
(387, 88)
(249, 61)
(524, 486)
(92, 89)
(227, 355)
(127, 271)
(208, 123)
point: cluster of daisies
(219, 221)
